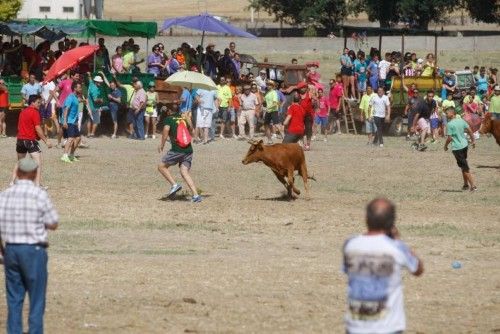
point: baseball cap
(98, 78)
(27, 165)
(420, 60)
(497, 87)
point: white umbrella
(192, 80)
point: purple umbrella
(205, 22)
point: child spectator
(321, 118)
(360, 68)
(151, 114)
(366, 114)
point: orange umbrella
(68, 60)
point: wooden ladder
(350, 126)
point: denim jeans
(25, 271)
(379, 123)
(138, 123)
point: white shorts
(424, 124)
(204, 118)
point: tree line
(416, 14)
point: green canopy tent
(105, 28)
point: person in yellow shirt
(430, 66)
(367, 115)
(226, 114)
(495, 104)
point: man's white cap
(262, 71)
(497, 87)
(98, 78)
(420, 60)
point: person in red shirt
(336, 96)
(306, 103)
(4, 106)
(29, 131)
(321, 119)
(295, 122)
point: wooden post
(380, 45)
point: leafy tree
(325, 13)
(384, 11)
(419, 13)
(9, 9)
(486, 10)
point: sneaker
(235, 137)
(313, 138)
(66, 159)
(3, 136)
(175, 188)
(465, 187)
(153, 137)
(44, 187)
(473, 189)
(270, 142)
(381, 145)
(222, 136)
(113, 137)
(196, 199)
(325, 140)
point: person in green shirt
(177, 155)
(367, 115)
(495, 104)
(225, 96)
(272, 106)
(459, 145)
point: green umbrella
(191, 80)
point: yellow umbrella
(191, 80)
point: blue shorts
(434, 123)
(370, 127)
(321, 120)
(113, 110)
(72, 131)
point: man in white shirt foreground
(373, 263)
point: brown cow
(284, 160)
(490, 125)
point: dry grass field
(246, 261)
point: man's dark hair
(380, 215)
(74, 84)
(33, 98)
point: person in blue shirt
(360, 68)
(482, 82)
(373, 72)
(32, 87)
(115, 98)
(449, 83)
(70, 123)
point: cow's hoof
(297, 191)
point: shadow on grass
(451, 191)
(180, 198)
(486, 166)
(281, 198)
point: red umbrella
(68, 60)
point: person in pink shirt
(117, 61)
(321, 118)
(335, 99)
(64, 89)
